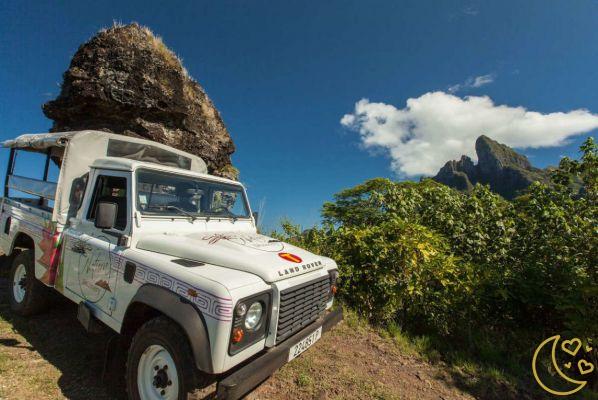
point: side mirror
(106, 215)
(255, 216)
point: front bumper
(258, 369)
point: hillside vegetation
(473, 276)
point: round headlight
(254, 316)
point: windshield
(160, 193)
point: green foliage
(556, 273)
(478, 226)
(434, 260)
(396, 271)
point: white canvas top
(39, 141)
(124, 164)
(78, 150)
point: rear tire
(26, 295)
(160, 363)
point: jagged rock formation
(499, 166)
(125, 80)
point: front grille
(300, 306)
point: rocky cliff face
(499, 166)
(126, 81)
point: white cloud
(482, 80)
(438, 126)
(472, 82)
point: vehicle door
(90, 253)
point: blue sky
(283, 74)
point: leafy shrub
(430, 258)
(555, 274)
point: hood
(268, 258)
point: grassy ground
(51, 357)
(491, 367)
(355, 362)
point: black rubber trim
(7, 225)
(296, 308)
(129, 274)
(254, 372)
(187, 263)
(260, 333)
(186, 314)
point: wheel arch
(151, 301)
(22, 240)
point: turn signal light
(238, 334)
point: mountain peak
(506, 171)
(492, 153)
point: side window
(77, 191)
(112, 189)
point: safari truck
(151, 246)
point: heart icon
(571, 346)
(568, 365)
(585, 367)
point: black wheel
(160, 363)
(5, 265)
(26, 295)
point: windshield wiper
(217, 214)
(180, 210)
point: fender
(185, 314)
(21, 238)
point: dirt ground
(51, 357)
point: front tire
(26, 295)
(160, 364)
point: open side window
(112, 189)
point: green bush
(439, 261)
(555, 274)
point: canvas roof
(79, 150)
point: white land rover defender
(148, 244)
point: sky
(320, 96)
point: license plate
(305, 343)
